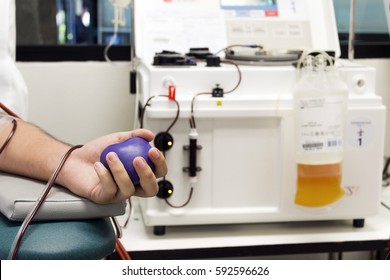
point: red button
(171, 92)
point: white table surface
(138, 237)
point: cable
(26, 222)
(14, 122)
(169, 127)
(10, 135)
(167, 130)
(8, 110)
(148, 104)
(108, 46)
(131, 209)
(192, 117)
(191, 120)
(18, 239)
(239, 75)
(177, 114)
(184, 204)
(119, 19)
(120, 249)
(386, 174)
(240, 45)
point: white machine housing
(248, 158)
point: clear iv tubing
(113, 38)
(106, 49)
(118, 19)
(303, 57)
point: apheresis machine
(258, 118)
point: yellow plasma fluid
(318, 185)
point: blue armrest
(60, 240)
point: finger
(143, 133)
(158, 159)
(107, 189)
(147, 179)
(125, 186)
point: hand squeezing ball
(127, 151)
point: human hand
(86, 176)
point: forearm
(31, 152)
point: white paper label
(320, 124)
(360, 132)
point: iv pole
(133, 79)
(351, 39)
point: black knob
(165, 189)
(163, 141)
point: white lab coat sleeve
(13, 90)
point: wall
(79, 101)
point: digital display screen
(248, 3)
(245, 7)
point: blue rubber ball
(127, 151)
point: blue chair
(60, 240)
